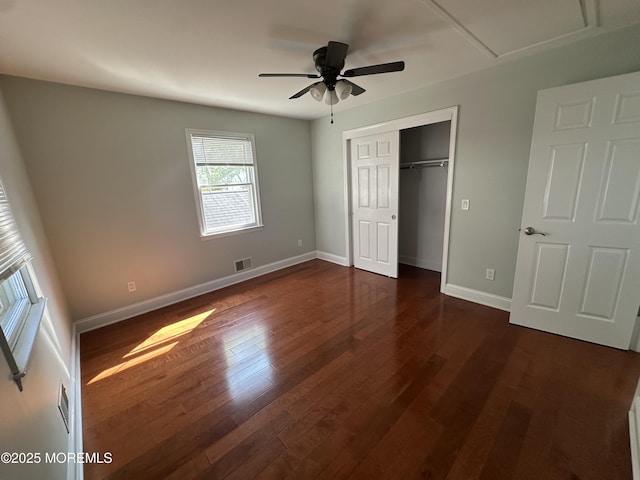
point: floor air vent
(243, 264)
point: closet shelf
(438, 162)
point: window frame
(18, 344)
(254, 184)
(16, 297)
(23, 308)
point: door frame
(436, 116)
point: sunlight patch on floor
(252, 380)
(158, 344)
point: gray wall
(427, 142)
(111, 177)
(30, 419)
(495, 122)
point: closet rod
(426, 163)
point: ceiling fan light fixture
(331, 97)
(317, 91)
(329, 62)
(343, 89)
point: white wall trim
(117, 315)
(634, 433)
(476, 296)
(75, 470)
(330, 257)
(459, 28)
(427, 118)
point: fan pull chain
(331, 113)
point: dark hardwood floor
(321, 371)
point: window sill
(211, 236)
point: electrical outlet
(491, 274)
(299, 243)
(131, 286)
(465, 204)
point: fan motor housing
(329, 74)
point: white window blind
(222, 151)
(13, 253)
(225, 181)
(21, 309)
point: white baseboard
(633, 443)
(330, 257)
(476, 296)
(117, 315)
(634, 433)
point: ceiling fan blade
(355, 89)
(336, 53)
(303, 75)
(375, 69)
(303, 91)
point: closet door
(374, 176)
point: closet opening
(398, 191)
(424, 168)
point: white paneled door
(578, 267)
(374, 175)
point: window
(21, 309)
(15, 302)
(225, 181)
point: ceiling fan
(329, 62)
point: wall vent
(63, 405)
(243, 264)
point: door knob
(532, 231)
(393, 217)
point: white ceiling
(210, 52)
